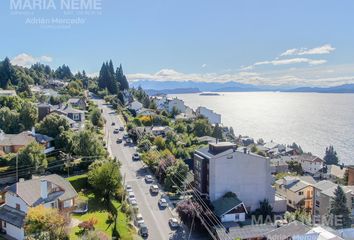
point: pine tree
(6, 73)
(338, 212)
(102, 77)
(331, 156)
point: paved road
(134, 172)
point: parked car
(139, 220)
(113, 123)
(125, 136)
(134, 203)
(128, 188)
(121, 129)
(154, 189)
(163, 203)
(136, 157)
(143, 231)
(119, 140)
(148, 179)
(129, 140)
(131, 196)
(173, 222)
(116, 131)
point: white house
(221, 168)
(52, 191)
(213, 118)
(177, 104)
(135, 106)
(310, 163)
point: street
(133, 173)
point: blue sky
(281, 42)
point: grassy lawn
(99, 211)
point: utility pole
(17, 167)
(123, 188)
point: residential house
(52, 191)
(187, 115)
(161, 102)
(335, 172)
(221, 168)
(146, 112)
(160, 130)
(246, 231)
(135, 106)
(230, 209)
(323, 195)
(310, 163)
(43, 110)
(280, 164)
(319, 233)
(274, 149)
(286, 231)
(177, 104)
(74, 114)
(213, 118)
(79, 103)
(298, 190)
(12, 143)
(7, 93)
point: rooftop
(12, 216)
(288, 230)
(225, 204)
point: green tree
(33, 155)
(202, 127)
(28, 115)
(217, 132)
(9, 121)
(96, 117)
(160, 143)
(339, 213)
(52, 125)
(331, 156)
(176, 174)
(6, 73)
(265, 211)
(295, 167)
(12, 102)
(86, 143)
(65, 141)
(105, 179)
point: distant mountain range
(176, 87)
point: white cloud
(94, 74)
(325, 49)
(291, 61)
(204, 65)
(26, 60)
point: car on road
(125, 136)
(121, 129)
(148, 179)
(143, 231)
(163, 203)
(131, 196)
(139, 220)
(113, 123)
(119, 140)
(154, 189)
(128, 188)
(129, 140)
(134, 203)
(173, 222)
(116, 131)
(136, 157)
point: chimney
(350, 175)
(44, 189)
(244, 150)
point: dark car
(113, 123)
(121, 129)
(119, 140)
(143, 231)
(136, 157)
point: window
(289, 201)
(237, 217)
(4, 224)
(18, 207)
(76, 117)
(301, 193)
(317, 203)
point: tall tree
(331, 156)
(339, 213)
(6, 73)
(217, 132)
(105, 179)
(52, 125)
(28, 115)
(33, 155)
(9, 120)
(122, 80)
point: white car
(148, 179)
(128, 188)
(173, 222)
(154, 189)
(134, 203)
(163, 203)
(139, 219)
(131, 196)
